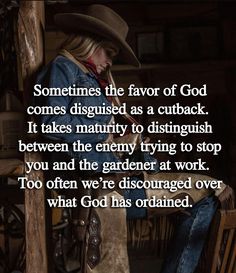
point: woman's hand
(109, 139)
(146, 140)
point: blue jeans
(188, 242)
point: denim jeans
(188, 242)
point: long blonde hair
(81, 47)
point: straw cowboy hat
(102, 21)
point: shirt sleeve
(61, 75)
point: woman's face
(102, 58)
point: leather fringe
(152, 235)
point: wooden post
(30, 27)
(30, 50)
(35, 223)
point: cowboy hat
(102, 21)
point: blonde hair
(81, 47)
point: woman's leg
(185, 251)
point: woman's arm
(61, 75)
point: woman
(95, 38)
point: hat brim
(74, 22)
